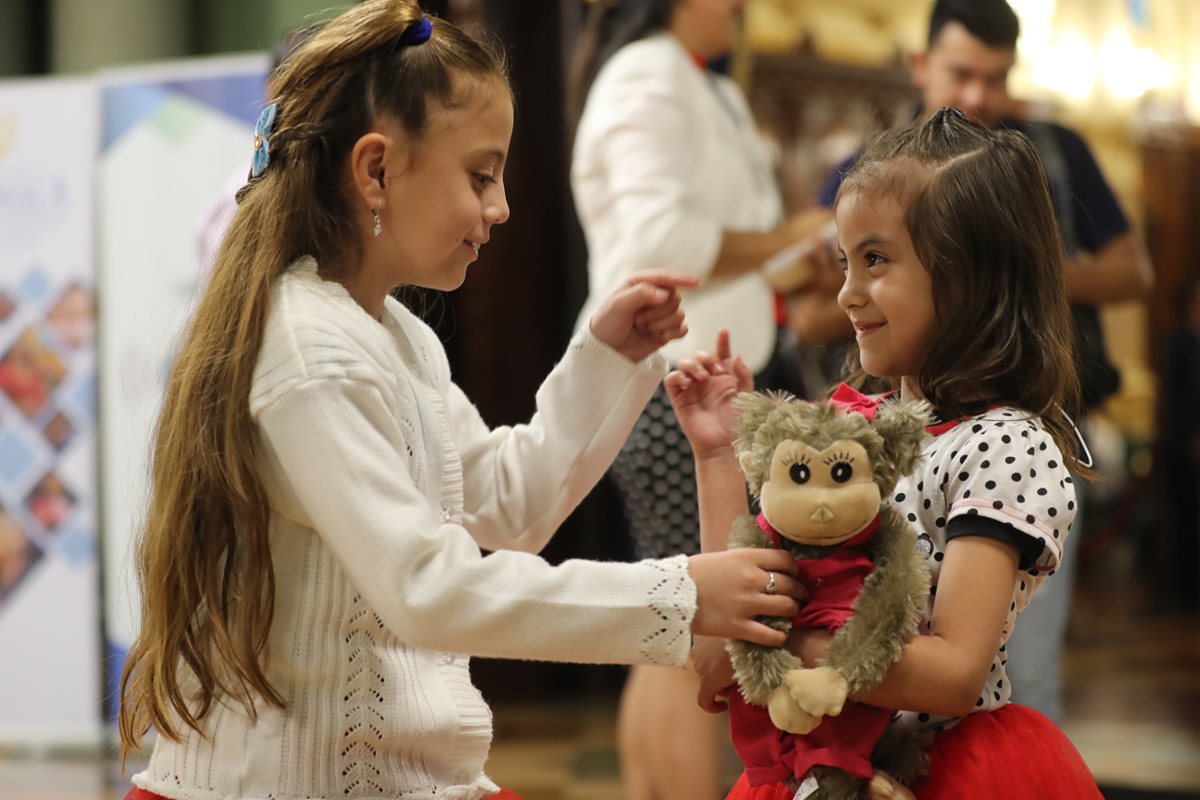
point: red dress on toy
(141, 794)
(845, 741)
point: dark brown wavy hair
(203, 558)
(979, 215)
(608, 25)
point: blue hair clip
(417, 32)
(262, 144)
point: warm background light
(1066, 67)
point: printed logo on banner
(31, 205)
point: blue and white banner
(50, 688)
(177, 140)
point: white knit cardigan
(385, 484)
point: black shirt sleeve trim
(1028, 548)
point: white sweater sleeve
(521, 482)
(335, 448)
(643, 132)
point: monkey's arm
(746, 533)
(759, 670)
(887, 611)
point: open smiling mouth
(867, 328)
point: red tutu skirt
(993, 755)
(141, 794)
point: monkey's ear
(754, 412)
(754, 472)
(902, 426)
(746, 460)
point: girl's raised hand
(702, 391)
(643, 314)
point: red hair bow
(851, 400)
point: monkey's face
(820, 497)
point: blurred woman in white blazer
(668, 171)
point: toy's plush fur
(888, 609)
(768, 419)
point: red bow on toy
(851, 400)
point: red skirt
(141, 794)
(993, 755)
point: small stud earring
(378, 223)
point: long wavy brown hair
(981, 221)
(203, 559)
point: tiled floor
(1133, 708)
(1133, 688)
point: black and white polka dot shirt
(999, 470)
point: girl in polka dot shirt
(955, 287)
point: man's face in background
(960, 71)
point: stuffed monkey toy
(820, 472)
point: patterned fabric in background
(655, 477)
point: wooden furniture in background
(510, 322)
(1171, 188)
(817, 114)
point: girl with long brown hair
(311, 568)
(955, 287)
